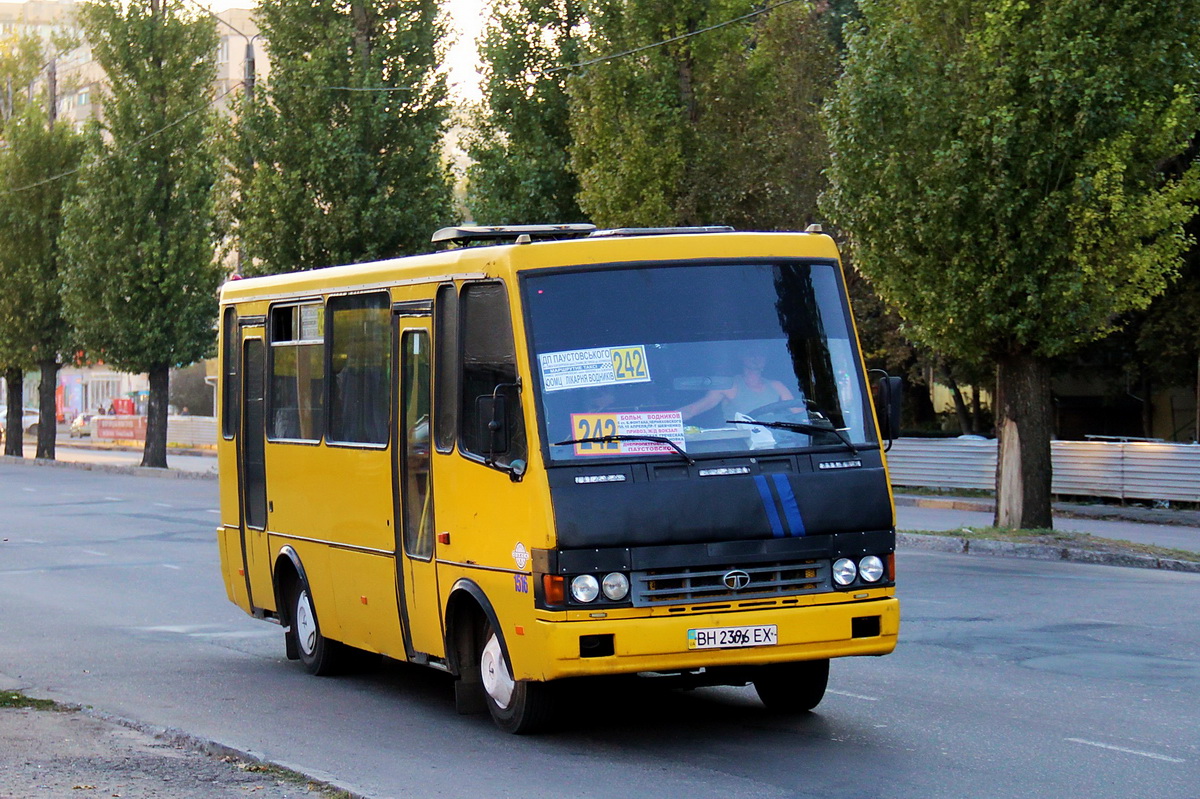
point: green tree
(339, 160)
(20, 62)
(762, 151)
(635, 119)
(708, 113)
(519, 135)
(141, 279)
(998, 166)
(36, 177)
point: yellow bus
(550, 452)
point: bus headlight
(871, 568)
(844, 571)
(585, 588)
(616, 586)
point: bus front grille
(695, 584)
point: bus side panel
(364, 594)
(330, 493)
(334, 506)
(496, 523)
(232, 571)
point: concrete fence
(182, 431)
(1119, 470)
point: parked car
(29, 420)
(81, 425)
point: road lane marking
(1110, 747)
(212, 511)
(172, 566)
(113, 499)
(94, 552)
(854, 696)
(163, 505)
(30, 490)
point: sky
(462, 60)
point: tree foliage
(20, 63)
(998, 165)
(634, 117)
(704, 114)
(140, 236)
(519, 135)
(35, 179)
(339, 159)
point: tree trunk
(960, 406)
(1024, 426)
(14, 443)
(976, 411)
(47, 412)
(155, 452)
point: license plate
(730, 637)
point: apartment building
(80, 80)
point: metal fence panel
(1119, 470)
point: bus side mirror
(888, 406)
(490, 411)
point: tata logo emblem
(736, 580)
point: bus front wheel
(516, 706)
(319, 655)
(792, 687)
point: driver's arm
(709, 400)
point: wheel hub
(496, 680)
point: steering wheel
(791, 405)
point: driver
(750, 390)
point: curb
(1009, 549)
(137, 471)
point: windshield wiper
(610, 439)
(799, 427)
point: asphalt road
(1014, 678)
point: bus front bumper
(661, 644)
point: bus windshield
(694, 360)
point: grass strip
(16, 699)
(1062, 538)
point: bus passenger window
(296, 402)
(489, 371)
(445, 339)
(231, 407)
(360, 368)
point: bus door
(252, 464)
(416, 568)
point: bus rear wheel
(319, 655)
(517, 706)
(792, 687)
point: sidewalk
(1066, 510)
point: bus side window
(231, 407)
(488, 370)
(359, 368)
(445, 366)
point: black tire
(517, 706)
(792, 687)
(318, 654)
(33, 429)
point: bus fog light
(871, 568)
(844, 571)
(616, 586)
(585, 588)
